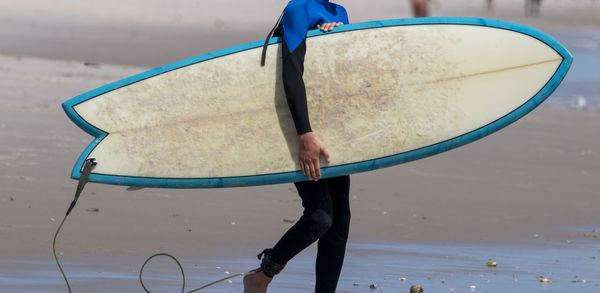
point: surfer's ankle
(256, 283)
(268, 266)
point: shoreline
(392, 267)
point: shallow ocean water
(389, 267)
(581, 87)
(463, 268)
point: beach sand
(527, 195)
(163, 32)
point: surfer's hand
(309, 152)
(328, 26)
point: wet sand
(526, 197)
(161, 33)
(533, 183)
(385, 266)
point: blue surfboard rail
(326, 172)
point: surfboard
(379, 93)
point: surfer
(490, 5)
(419, 8)
(532, 7)
(326, 216)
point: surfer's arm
(293, 85)
(295, 22)
(310, 148)
(295, 26)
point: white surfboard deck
(379, 94)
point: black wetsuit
(326, 215)
(326, 218)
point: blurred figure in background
(532, 7)
(419, 8)
(490, 6)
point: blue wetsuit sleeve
(295, 24)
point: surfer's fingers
(335, 24)
(310, 170)
(325, 154)
(328, 26)
(323, 27)
(331, 25)
(313, 172)
(316, 169)
(303, 167)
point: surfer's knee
(320, 222)
(337, 235)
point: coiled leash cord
(85, 175)
(183, 274)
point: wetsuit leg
(326, 217)
(314, 222)
(332, 245)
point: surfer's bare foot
(256, 283)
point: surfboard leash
(88, 165)
(183, 274)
